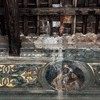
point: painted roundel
(67, 76)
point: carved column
(11, 13)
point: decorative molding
(19, 75)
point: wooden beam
(1, 11)
(11, 13)
(50, 3)
(50, 21)
(85, 24)
(25, 19)
(25, 26)
(47, 11)
(25, 3)
(74, 25)
(37, 3)
(97, 3)
(53, 11)
(97, 24)
(38, 19)
(57, 11)
(75, 3)
(38, 25)
(2, 25)
(62, 2)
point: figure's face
(66, 68)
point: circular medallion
(67, 76)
